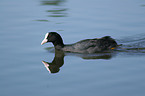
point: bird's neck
(58, 44)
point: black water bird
(95, 45)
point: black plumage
(84, 46)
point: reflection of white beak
(46, 66)
(44, 41)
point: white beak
(44, 41)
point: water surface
(24, 24)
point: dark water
(23, 24)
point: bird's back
(91, 45)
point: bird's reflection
(58, 60)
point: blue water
(23, 24)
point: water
(24, 24)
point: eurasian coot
(84, 46)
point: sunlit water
(23, 24)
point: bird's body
(84, 46)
